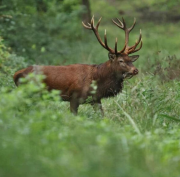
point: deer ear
(112, 56)
(134, 57)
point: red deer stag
(75, 81)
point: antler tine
(92, 22)
(124, 23)
(106, 45)
(137, 49)
(122, 49)
(87, 27)
(139, 46)
(120, 25)
(90, 25)
(132, 25)
(98, 23)
(95, 30)
(116, 46)
(137, 43)
(105, 38)
(127, 49)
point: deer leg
(74, 104)
(98, 106)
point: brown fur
(75, 81)
(21, 73)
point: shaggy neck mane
(105, 71)
(108, 81)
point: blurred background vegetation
(50, 32)
(139, 135)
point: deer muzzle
(132, 72)
(135, 71)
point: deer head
(121, 62)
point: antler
(91, 26)
(128, 50)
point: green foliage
(40, 137)
(9, 63)
(42, 36)
(139, 135)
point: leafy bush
(42, 36)
(139, 135)
(40, 137)
(9, 63)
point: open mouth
(128, 75)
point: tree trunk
(41, 6)
(86, 16)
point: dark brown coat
(75, 81)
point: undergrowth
(139, 135)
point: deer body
(75, 88)
(75, 81)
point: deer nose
(135, 71)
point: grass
(139, 135)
